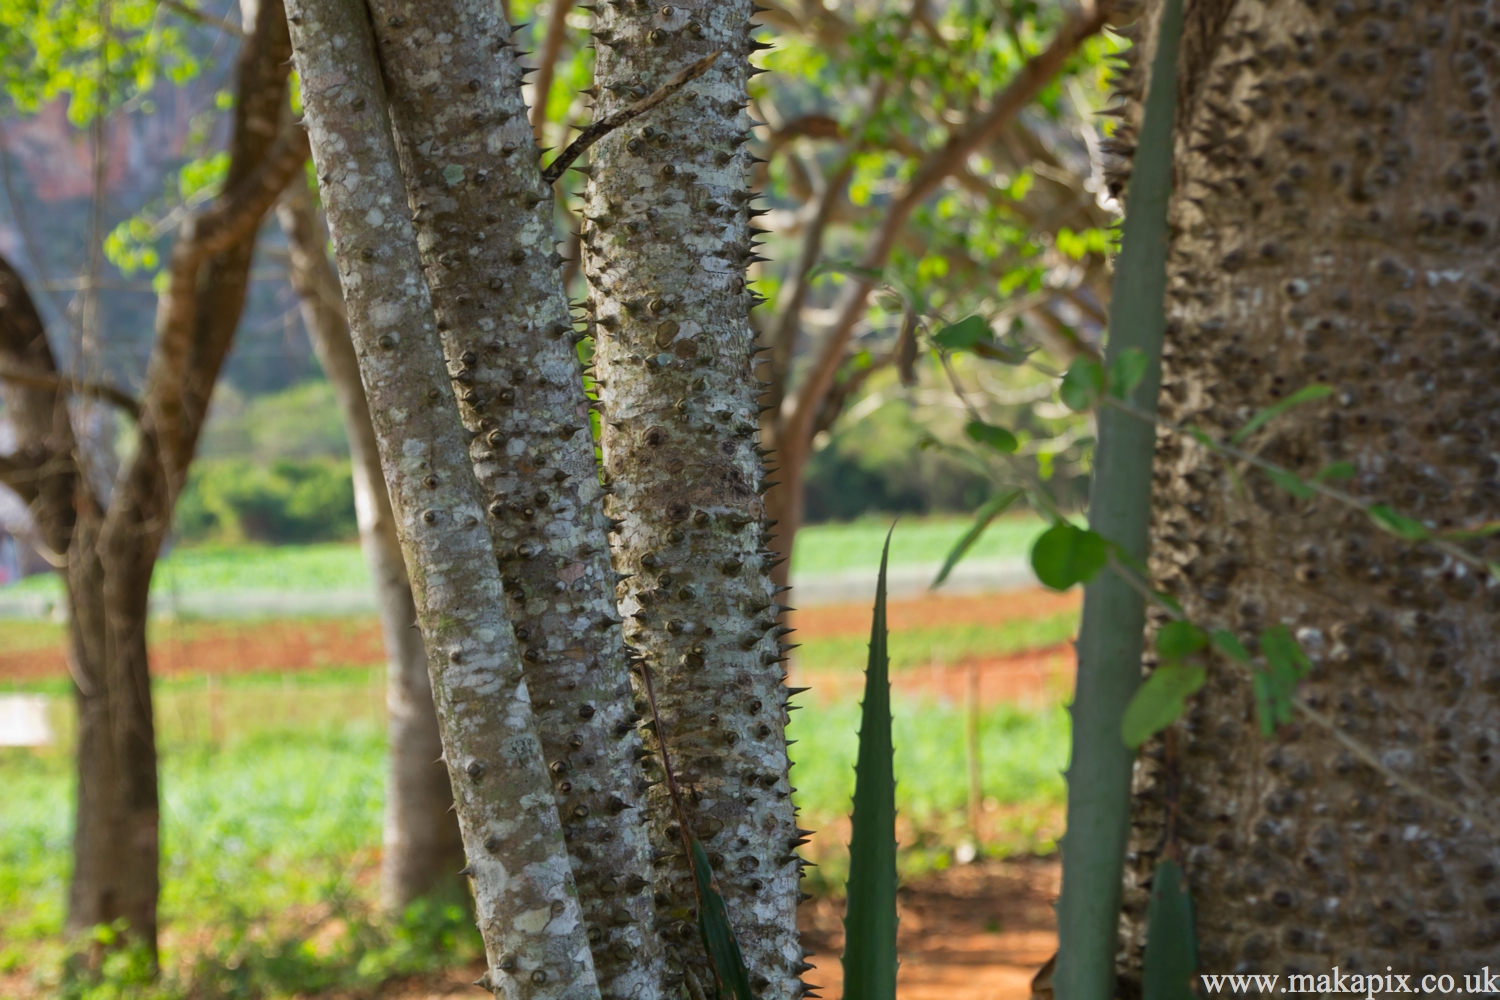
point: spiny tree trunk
(113, 551)
(422, 849)
(1334, 222)
(483, 218)
(524, 890)
(666, 243)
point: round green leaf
(1082, 384)
(998, 438)
(1160, 702)
(1066, 554)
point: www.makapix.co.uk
(1368, 985)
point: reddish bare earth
(977, 932)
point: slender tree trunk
(422, 848)
(483, 220)
(527, 902)
(666, 243)
(1334, 223)
(113, 552)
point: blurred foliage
(285, 501)
(99, 56)
(300, 422)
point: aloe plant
(1110, 634)
(870, 916)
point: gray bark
(422, 849)
(1334, 223)
(483, 219)
(527, 903)
(666, 242)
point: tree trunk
(667, 240)
(1334, 222)
(484, 225)
(113, 552)
(535, 940)
(422, 849)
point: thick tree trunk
(422, 848)
(1334, 222)
(666, 243)
(527, 903)
(483, 220)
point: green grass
(853, 545)
(920, 647)
(821, 548)
(269, 839)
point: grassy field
(822, 548)
(271, 826)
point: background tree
(109, 538)
(421, 850)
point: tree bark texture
(1334, 222)
(483, 218)
(666, 242)
(113, 552)
(527, 903)
(422, 849)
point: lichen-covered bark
(421, 850)
(1335, 222)
(525, 897)
(483, 221)
(666, 241)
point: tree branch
(609, 123)
(938, 165)
(204, 18)
(557, 25)
(79, 387)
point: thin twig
(557, 30)
(609, 123)
(79, 387)
(204, 18)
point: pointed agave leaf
(1171, 939)
(992, 509)
(870, 917)
(718, 937)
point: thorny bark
(113, 552)
(666, 242)
(793, 425)
(483, 219)
(422, 849)
(1334, 223)
(524, 891)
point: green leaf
(1127, 371)
(1304, 395)
(870, 913)
(1082, 384)
(718, 936)
(1066, 554)
(1274, 686)
(1160, 701)
(963, 335)
(1292, 484)
(1225, 642)
(1398, 524)
(1175, 641)
(1484, 530)
(992, 509)
(1335, 470)
(1171, 956)
(998, 438)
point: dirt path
(283, 645)
(976, 932)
